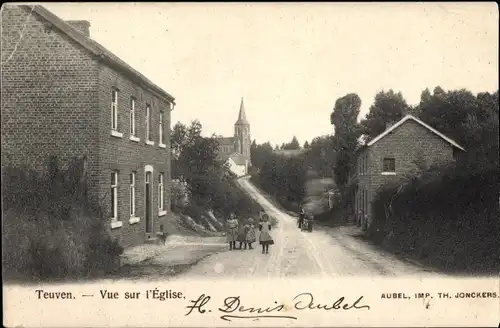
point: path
(324, 252)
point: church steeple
(242, 118)
(242, 134)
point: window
(114, 110)
(160, 192)
(389, 166)
(114, 196)
(132, 194)
(160, 130)
(148, 123)
(132, 117)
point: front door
(148, 205)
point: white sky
(291, 61)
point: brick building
(64, 94)
(236, 150)
(402, 149)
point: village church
(236, 150)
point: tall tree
(292, 145)
(345, 113)
(344, 118)
(388, 108)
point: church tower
(242, 133)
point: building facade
(64, 94)
(236, 150)
(403, 149)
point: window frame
(114, 114)
(161, 194)
(161, 130)
(132, 191)
(114, 185)
(132, 127)
(392, 168)
(147, 128)
(114, 109)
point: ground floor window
(132, 194)
(161, 195)
(114, 195)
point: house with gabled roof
(64, 94)
(403, 149)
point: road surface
(324, 252)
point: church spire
(242, 119)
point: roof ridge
(96, 48)
(406, 118)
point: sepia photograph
(296, 164)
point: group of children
(245, 233)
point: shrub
(49, 229)
(447, 216)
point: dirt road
(324, 252)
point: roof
(238, 159)
(242, 118)
(410, 117)
(226, 140)
(99, 51)
(223, 156)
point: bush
(49, 229)
(447, 216)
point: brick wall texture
(56, 99)
(408, 144)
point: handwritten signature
(233, 308)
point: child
(265, 237)
(251, 238)
(232, 230)
(242, 236)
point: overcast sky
(291, 61)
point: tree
(345, 113)
(260, 153)
(388, 108)
(306, 144)
(344, 119)
(196, 163)
(455, 113)
(292, 145)
(321, 156)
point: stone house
(238, 164)
(64, 94)
(403, 149)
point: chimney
(82, 26)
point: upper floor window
(148, 122)
(132, 117)
(389, 166)
(160, 129)
(114, 110)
